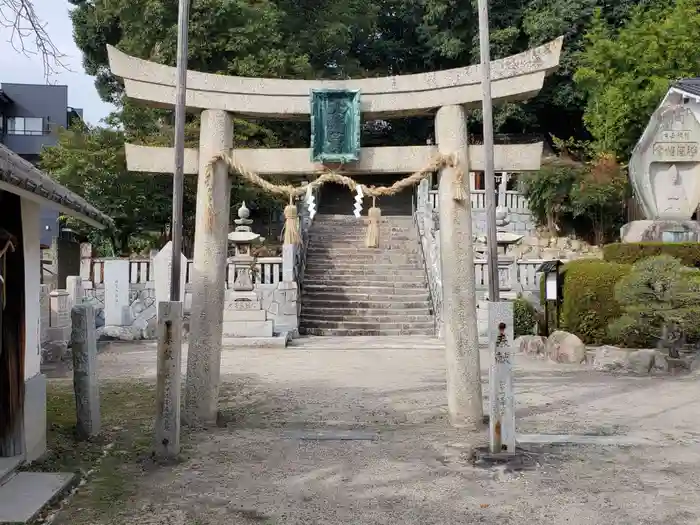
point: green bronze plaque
(335, 125)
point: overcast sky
(17, 68)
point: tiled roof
(22, 174)
(689, 85)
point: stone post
(74, 287)
(209, 272)
(162, 265)
(59, 316)
(458, 280)
(167, 426)
(85, 260)
(501, 401)
(288, 251)
(116, 280)
(87, 393)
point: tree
(599, 198)
(28, 35)
(90, 161)
(660, 296)
(625, 72)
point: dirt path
(400, 466)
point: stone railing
(430, 245)
(515, 276)
(512, 200)
(142, 271)
(300, 251)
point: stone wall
(281, 302)
(547, 247)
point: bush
(524, 317)
(589, 303)
(658, 293)
(630, 253)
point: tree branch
(28, 35)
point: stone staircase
(349, 289)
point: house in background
(30, 114)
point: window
(25, 126)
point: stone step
(247, 329)
(366, 296)
(361, 332)
(346, 249)
(368, 324)
(234, 343)
(396, 260)
(307, 319)
(25, 494)
(361, 231)
(351, 263)
(370, 304)
(363, 272)
(345, 291)
(360, 235)
(396, 281)
(349, 311)
(8, 467)
(245, 315)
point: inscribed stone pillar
(74, 287)
(162, 270)
(116, 279)
(87, 394)
(458, 281)
(167, 425)
(208, 271)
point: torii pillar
(209, 272)
(461, 333)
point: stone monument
(163, 265)
(665, 174)
(243, 313)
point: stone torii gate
(446, 94)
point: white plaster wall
(32, 283)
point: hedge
(524, 318)
(630, 253)
(589, 298)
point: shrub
(658, 293)
(524, 317)
(589, 303)
(630, 253)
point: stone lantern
(243, 261)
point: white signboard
(550, 286)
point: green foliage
(524, 317)
(589, 303)
(659, 292)
(624, 73)
(630, 253)
(343, 38)
(548, 191)
(583, 197)
(91, 162)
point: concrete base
(247, 329)
(24, 495)
(571, 439)
(34, 418)
(8, 467)
(278, 341)
(660, 231)
(244, 316)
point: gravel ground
(405, 464)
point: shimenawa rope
(291, 228)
